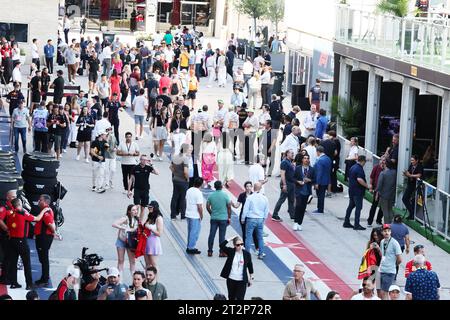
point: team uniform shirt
(410, 267)
(18, 223)
(141, 176)
(193, 197)
(47, 219)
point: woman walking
(303, 188)
(238, 269)
(75, 111)
(124, 85)
(155, 224)
(209, 151)
(115, 80)
(85, 124)
(222, 70)
(178, 128)
(160, 120)
(126, 237)
(254, 85)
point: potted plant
(349, 114)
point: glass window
(19, 30)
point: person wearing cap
(113, 289)
(250, 125)
(65, 290)
(394, 292)
(410, 267)
(356, 189)
(391, 257)
(98, 150)
(422, 284)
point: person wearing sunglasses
(238, 269)
(368, 292)
(300, 288)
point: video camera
(87, 262)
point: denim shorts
(120, 244)
(386, 280)
(139, 120)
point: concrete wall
(41, 17)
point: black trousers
(373, 209)
(178, 202)
(126, 172)
(40, 141)
(348, 165)
(4, 248)
(49, 63)
(254, 235)
(408, 199)
(300, 207)
(290, 196)
(196, 175)
(19, 247)
(116, 131)
(250, 148)
(43, 244)
(37, 62)
(264, 93)
(236, 289)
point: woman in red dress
(115, 83)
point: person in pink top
(164, 82)
(117, 64)
(115, 83)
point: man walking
(49, 52)
(21, 120)
(322, 169)
(128, 150)
(219, 207)
(140, 108)
(385, 193)
(180, 180)
(98, 150)
(357, 186)
(44, 232)
(194, 215)
(58, 87)
(256, 210)
(391, 257)
(374, 176)
(268, 145)
(287, 186)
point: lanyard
(386, 245)
(128, 147)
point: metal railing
(422, 41)
(432, 208)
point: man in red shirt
(410, 267)
(4, 234)
(18, 224)
(44, 232)
(164, 82)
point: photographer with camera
(113, 289)
(91, 281)
(414, 172)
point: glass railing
(420, 41)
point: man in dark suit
(322, 169)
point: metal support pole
(373, 111)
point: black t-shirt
(276, 110)
(184, 111)
(174, 125)
(45, 82)
(96, 111)
(34, 83)
(166, 99)
(241, 199)
(329, 147)
(100, 150)
(113, 110)
(94, 65)
(14, 97)
(242, 117)
(141, 176)
(59, 87)
(287, 130)
(177, 53)
(57, 128)
(85, 294)
(157, 115)
(414, 170)
(158, 65)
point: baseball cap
(220, 101)
(251, 110)
(113, 272)
(73, 271)
(394, 287)
(386, 226)
(140, 294)
(101, 132)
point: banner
(176, 8)
(104, 10)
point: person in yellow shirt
(184, 59)
(193, 88)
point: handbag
(132, 240)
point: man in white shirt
(128, 151)
(194, 215)
(157, 38)
(101, 125)
(106, 54)
(199, 58)
(256, 172)
(17, 75)
(257, 62)
(35, 54)
(310, 122)
(291, 142)
(256, 210)
(247, 69)
(139, 107)
(169, 54)
(367, 290)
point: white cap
(394, 287)
(73, 271)
(113, 272)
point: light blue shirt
(237, 99)
(388, 260)
(256, 207)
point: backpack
(174, 89)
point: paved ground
(331, 253)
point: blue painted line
(204, 274)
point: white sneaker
(299, 228)
(64, 151)
(295, 226)
(86, 160)
(160, 158)
(77, 158)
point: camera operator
(113, 289)
(90, 286)
(414, 172)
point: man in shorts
(139, 180)
(140, 108)
(391, 256)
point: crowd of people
(160, 85)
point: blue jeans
(65, 138)
(246, 78)
(194, 226)
(222, 225)
(321, 197)
(134, 90)
(355, 202)
(252, 224)
(23, 136)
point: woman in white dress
(222, 69)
